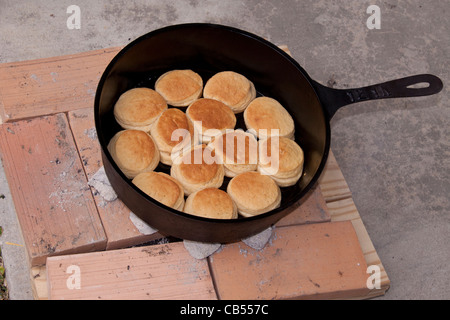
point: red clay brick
(321, 260)
(53, 202)
(163, 272)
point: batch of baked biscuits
(197, 137)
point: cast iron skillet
(207, 49)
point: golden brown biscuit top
(139, 106)
(214, 203)
(254, 190)
(227, 86)
(178, 85)
(159, 186)
(135, 149)
(196, 168)
(267, 113)
(171, 120)
(236, 147)
(212, 113)
(290, 155)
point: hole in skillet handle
(418, 85)
(412, 86)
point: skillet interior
(208, 49)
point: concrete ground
(394, 154)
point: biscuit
(254, 193)
(172, 132)
(197, 169)
(138, 108)
(231, 88)
(237, 150)
(161, 187)
(210, 118)
(211, 203)
(134, 152)
(265, 114)
(180, 87)
(285, 167)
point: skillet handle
(333, 99)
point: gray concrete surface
(394, 154)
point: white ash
(141, 225)
(91, 133)
(259, 241)
(200, 250)
(99, 181)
